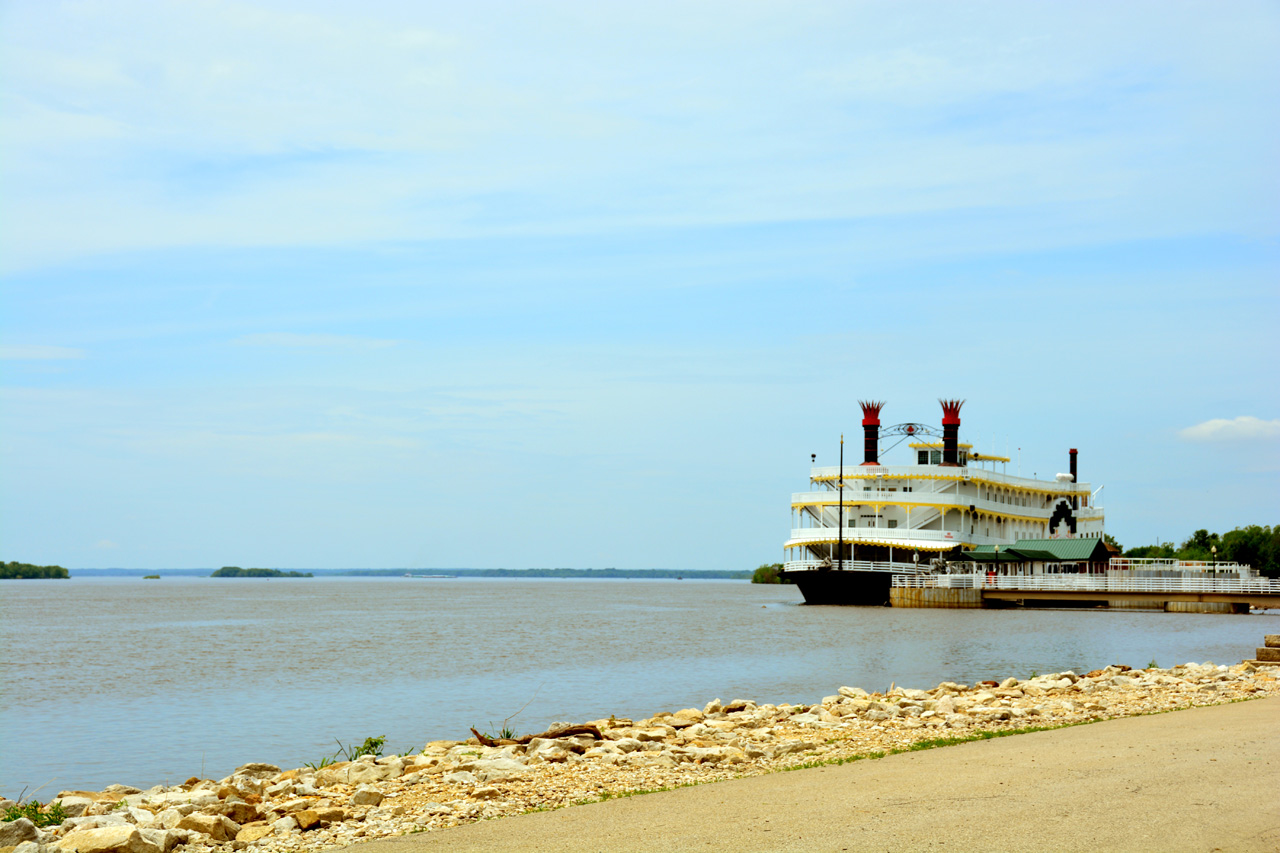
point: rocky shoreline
(267, 809)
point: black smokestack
(871, 431)
(951, 431)
(1074, 478)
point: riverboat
(860, 525)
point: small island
(237, 572)
(26, 571)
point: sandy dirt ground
(1203, 779)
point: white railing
(857, 497)
(851, 566)
(1170, 564)
(897, 536)
(1093, 583)
(861, 472)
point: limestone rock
(255, 832)
(279, 789)
(239, 811)
(30, 846)
(108, 839)
(165, 839)
(366, 797)
(360, 773)
(257, 769)
(117, 792)
(460, 777)
(17, 831)
(217, 827)
(497, 769)
(435, 809)
(283, 825)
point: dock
(1229, 594)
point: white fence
(898, 537)
(1170, 564)
(1093, 583)
(852, 566)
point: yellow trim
(929, 445)
(939, 546)
(980, 511)
(853, 474)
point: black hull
(867, 589)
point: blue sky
(565, 284)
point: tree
(1255, 545)
(1163, 550)
(1200, 546)
(1111, 540)
(768, 573)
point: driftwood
(563, 731)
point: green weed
(51, 815)
(371, 746)
(350, 752)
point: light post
(915, 558)
(992, 577)
(1213, 549)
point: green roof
(1046, 550)
(1086, 548)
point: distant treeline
(237, 572)
(621, 574)
(1255, 545)
(25, 571)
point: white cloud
(1243, 428)
(290, 339)
(144, 125)
(37, 352)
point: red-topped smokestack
(871, 431)
(951, 431)
(1074, 478)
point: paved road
(1199, 780)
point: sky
(505, 284)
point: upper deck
(965, 474)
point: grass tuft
(41, 816)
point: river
(121, 679)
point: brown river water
(120, 679)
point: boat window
(893, 522)
(922, 457)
